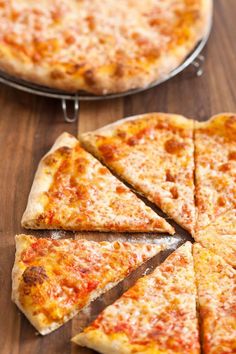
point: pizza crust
(102, 343)
(38, 321)
(102, 80)
(42, 182)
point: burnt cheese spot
(232, 155)
(34, 275)
(64, 151)
(57, 74)
(173, 146)
(221, 201)
(224, 167)
(107, 151)
(169, 176)
(50, 160)
(103, 171)
(89, 78)
(174, 192)
(120, 189)
(81, 164)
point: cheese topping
(154, 153)
(215, 149)
(58, 277)
(216, 282)
(84, 195)
(158, 313)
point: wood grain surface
(29, 126)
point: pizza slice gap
(215, 160)
(157, 315)
(220, 236)
(52, 280)
(154, 153)
(73, 191)
(216, 284)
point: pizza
(216, 281)
(100, 47)
(220, 236)
(52, 280)
(74, 191)
(154, 153)
(157, 315)
(215, 153)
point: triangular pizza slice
(157, 315)
(215, 159)
(216, 283)
(54, 279)
(154, 153)
(74, 191)
(220, 236)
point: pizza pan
(194, 58)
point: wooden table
(28, 127)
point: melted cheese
(157, 315)
(82, 194)
(154, 153)
(216, 281)
(56, 278)
(215, 143)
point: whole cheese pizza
(157, 315)
(99, 46)
(52, 280)
(215, 154)
(73, 191)
(216, 283)
(154, 153)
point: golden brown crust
(42, 182)
(50, 60)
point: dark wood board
(28, 127)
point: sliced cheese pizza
(155, 154)
(99, 46)
(215, 153)
(52, 280)
(157, 315)
(216, 283)
(220, 236)
(72, 190)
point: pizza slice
(74, 191)
(157, 315)
(220, 236)
(154, 153)
(52, 280)
(216, 283)
(215, 159)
